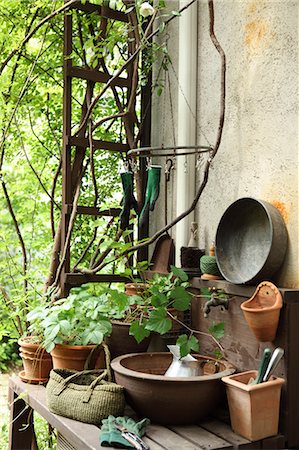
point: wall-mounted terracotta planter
(37, 363)
(262, 311)
(254, 408)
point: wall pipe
(186, 134)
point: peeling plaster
(258, 155)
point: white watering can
(188, 366)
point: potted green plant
(165, 300)
(158, 307)
(71, 328)
(37, 363)
(124, 311)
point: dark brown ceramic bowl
(169, 401)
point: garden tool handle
(133, 438)
(263, 366)
(276, 357)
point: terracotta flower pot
(75, 356)
(37, 363)
(254, 408)
(135, 288)
(262, 311)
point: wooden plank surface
(212, 434)
(273, 443)
(169, 439)
(81, 435)
(201, 437)
(223, 431)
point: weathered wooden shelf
(72, 435)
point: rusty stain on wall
(282, 209)
(254, 6)
(258, 36)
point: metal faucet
(215, 300)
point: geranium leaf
(158, 321)
(138, 331)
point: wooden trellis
(74, 146)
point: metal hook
(168, 167)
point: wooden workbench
(212, 433)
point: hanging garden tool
(129, 201)
(152, 192)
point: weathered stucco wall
(258, 156)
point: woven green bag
(84, 396)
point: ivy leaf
(187, 344)
(182, 298)
(177, 272)
(217, 330)
(158, 321)
(159, 91)
(159, 300)
(139, 331)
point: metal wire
(144, 152)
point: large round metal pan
(251, 241)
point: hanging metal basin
(251, 241)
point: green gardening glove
(152, 192)
(112, 437)
(130, 425)
(129, 202)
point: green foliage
(30, 154)
(158, 321)
(138, 331)
(76, 320)
(187, 344)
(9, 356)
(44, 441)
(217, 330)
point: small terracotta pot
(254, 408)
(262, 311)
(75, 356)
(37, 363)
(120, 342)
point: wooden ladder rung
(96, 76)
